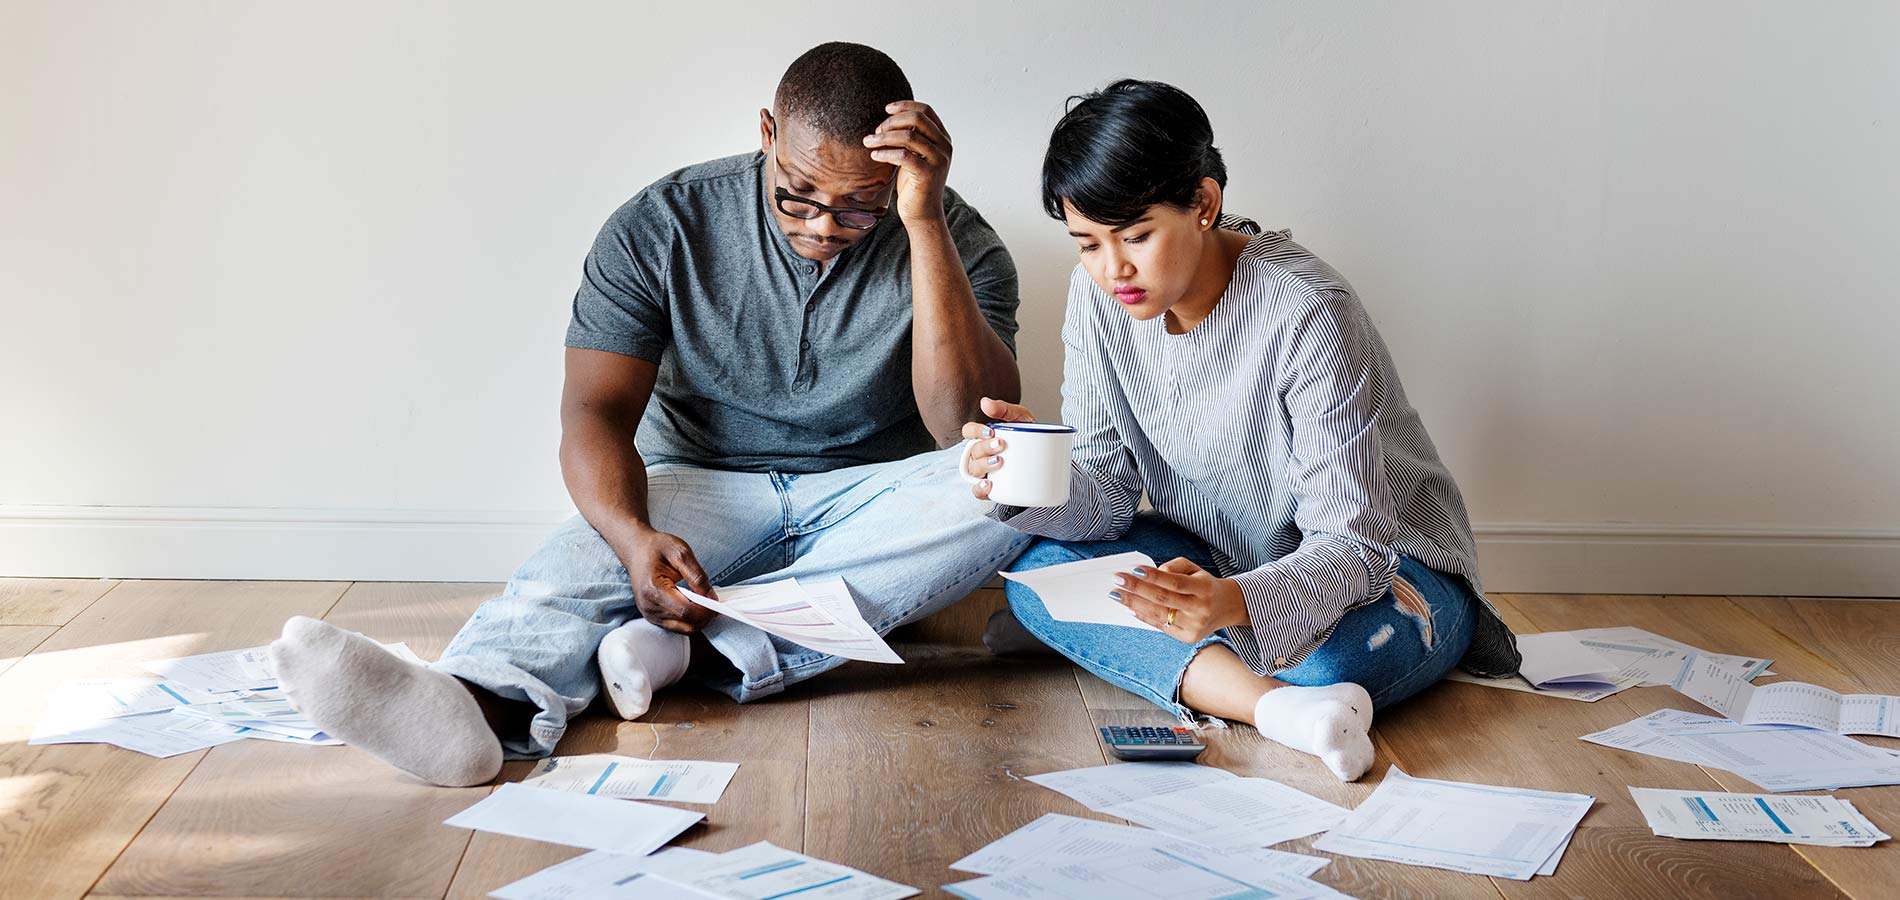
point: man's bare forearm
(605, 475)
(956, 358)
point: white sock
(419, 720)
(637, 659)
(1330, 722)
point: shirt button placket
(807, 367)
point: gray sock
(419, 720)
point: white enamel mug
(1035, 470)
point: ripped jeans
(1393, 647)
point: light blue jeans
(1388, 646)
(907, 537)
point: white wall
(282, 288)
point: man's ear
(765, 131)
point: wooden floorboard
(16, 641)
(912, 767)
(268, 819)
(1720, 625)
(896, 770)
(68, 810)
(48, 601)
(1614, 850)
(1861, 639)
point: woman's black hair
(1127, 147)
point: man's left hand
(913, 139)
(1185, 601)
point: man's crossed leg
(906, 536)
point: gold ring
(1171, 613)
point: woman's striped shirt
(1278, 432)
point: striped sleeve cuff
(1095, 511)
(1295, 601)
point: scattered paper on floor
(1483, 829)
(631, 778)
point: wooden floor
(895, 770)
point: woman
(1319, 560)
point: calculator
(1149, 743)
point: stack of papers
(1209, 806)
(1776, 757)
(630, 778)
(196, 702)
(1592, 663)
(821, 616)
(1625, 644)
(1501, 831)
(758, 872)
(1059, 840)
(1723, 688)
(1185, 872)
(607, 875)
(764, 871)
(576, 820)
(1078, 591)
(1692, 815)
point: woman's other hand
(985, 452)
(1186, 602)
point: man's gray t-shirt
(766, 364)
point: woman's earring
(1203, 221)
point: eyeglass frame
(780, 195)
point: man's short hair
(840, 89)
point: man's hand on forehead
(914, 140)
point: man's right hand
(656, 563)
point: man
(764, 351)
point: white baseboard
(461, 545)
(1688, 559)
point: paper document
(607, 876)
(1585, 693)
(1485, 830)
(1099, 787)
(82, 706)
(1779, 758)
(238, 670)
(821, 616)
(1208, 806)
(1560, 660)
(321, 740)
(630, 778)
(225, 670)
(274, 715)
(1184, 873)
(1702, 815)
(576, 820)
(197, 702)
(1635, 657)
(764, 871)
(1622, 641)
(139, 714)
(1078, 591)
(1724, 690)
(1058, 840)
(107, 698)
(1641, 735)
(161, 734)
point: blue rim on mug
(1033, 427)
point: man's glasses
(800, 208)
(804, 208)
